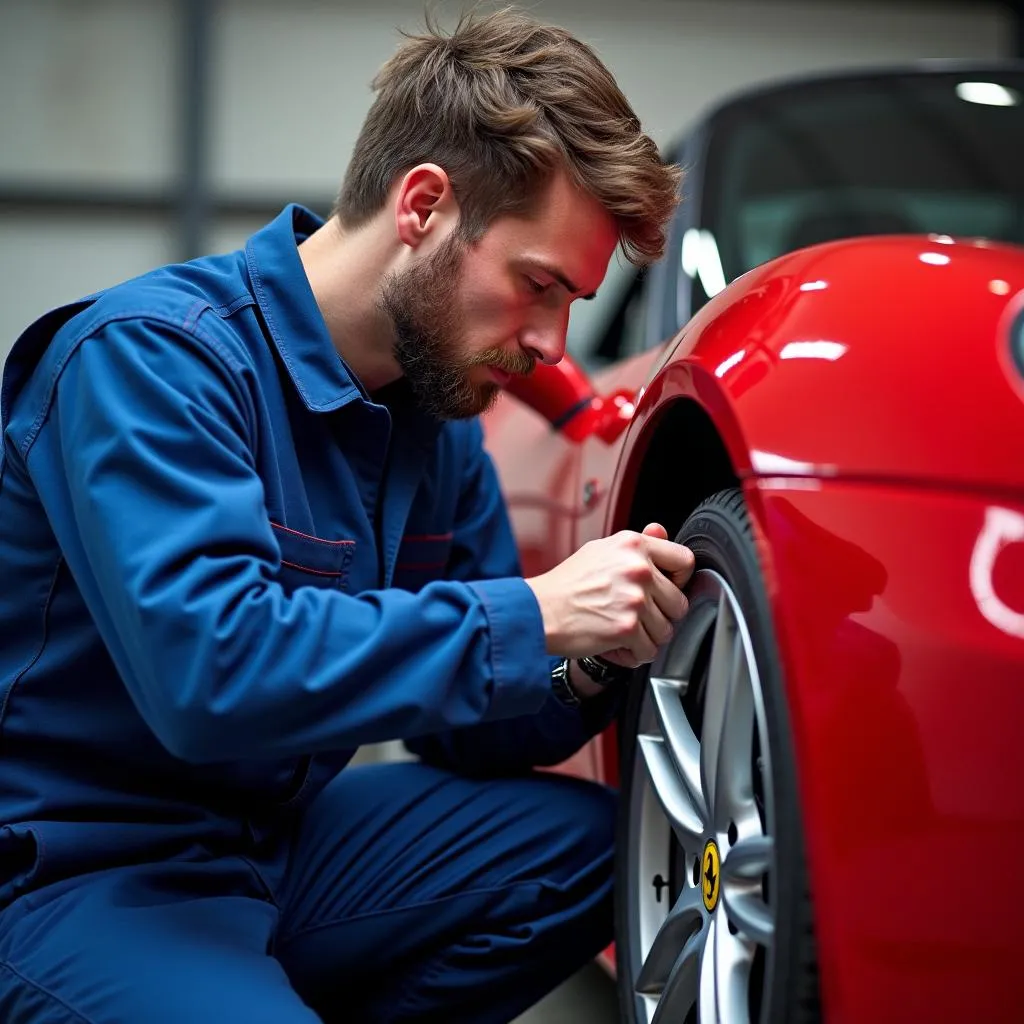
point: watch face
(561, 687)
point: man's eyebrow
(560, 278)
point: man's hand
(619, 596)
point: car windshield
(937, 153)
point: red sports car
(822, 774)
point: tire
(740, 824)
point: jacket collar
(321, 377)
(292, 316)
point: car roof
(780, 85)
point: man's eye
(535, 286)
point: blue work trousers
(404, 893)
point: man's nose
(546, 343)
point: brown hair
(501, 103)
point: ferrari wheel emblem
(711, 875)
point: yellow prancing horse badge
(711, 875)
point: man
(247, 524)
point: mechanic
(248, 524)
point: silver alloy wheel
(693, 943)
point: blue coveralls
(223, 568)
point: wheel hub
(711, 876)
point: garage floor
(587, 998)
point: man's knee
(573, 828)
(589, 810)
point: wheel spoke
(749, 860)
(727, 730)
(743, 873)
(683, 920)
(707, 1010)
(746, 909)
(683, 744)
(721, 669)
(680, 992)
(671, 793)
(733, 957)
(735, 792)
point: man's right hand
(619, 593)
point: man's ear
(425, 204)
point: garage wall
(91, 101)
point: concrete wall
(90, 98)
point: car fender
(871, 358)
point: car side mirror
(565, 397)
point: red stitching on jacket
(315, 572)
(308, 536)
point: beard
(430, 343)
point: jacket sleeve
(144, 464)
(484, 548)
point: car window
(890, 155)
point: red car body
(868, 397)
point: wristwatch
(561, 687)
(604, 673)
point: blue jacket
(224, 566)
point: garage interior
(136, 134)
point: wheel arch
(684, 462)
(683, 436)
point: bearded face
(431, 345)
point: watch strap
(602, 672)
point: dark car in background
(933, 148)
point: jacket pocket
(422, 559)
(308, 561)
